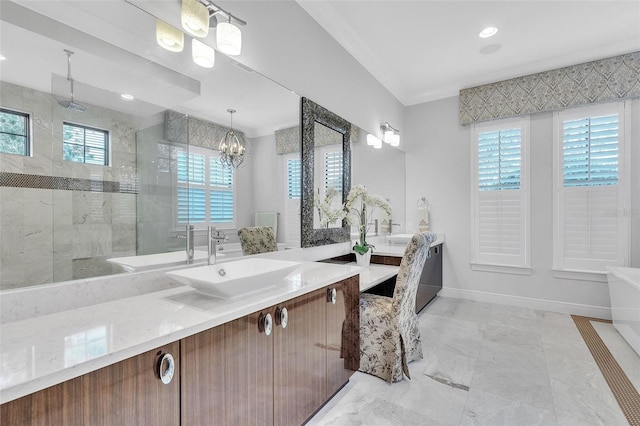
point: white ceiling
(425, 50)
(419, 50)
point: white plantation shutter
(206, 193)
(293, 189)
(333, 170)
(221, 200)
(499, 159)
(589, 232)
(500, 194)
(499, 220)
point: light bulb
(169, 37)
(202, 54)
(388, 136)
(228, 38)
(195, 18)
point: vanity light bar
(374, 141)
(214, 9)
(390, 134)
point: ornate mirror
(326, 174)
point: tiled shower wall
(51, 235)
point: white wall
(438, 167)
(382, 172)
(268, 179)
(635, 185)
(284, 43)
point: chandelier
(231, 150)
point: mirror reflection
(101, 177)
(124, 174)
(327, 178)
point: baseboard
(528, 302)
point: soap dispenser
(423, 215)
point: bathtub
(624, 289)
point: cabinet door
(203, 378)
(248, 372)
(126, 393)
(299, 363)
(227, 375)
(343, 333)
(431, 278)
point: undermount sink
(233, 279)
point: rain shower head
(71, 104)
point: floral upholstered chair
(257, 239)
(389, 335)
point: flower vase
(363, 260)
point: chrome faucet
(391, 225)
(375, 225)
(213, 237)
(189, 236)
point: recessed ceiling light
(2, 58)
(127, 97)
(488, 32)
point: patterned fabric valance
(201, 133)
(288, 140)
(592, 82)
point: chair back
(257, 239)
(411, 266)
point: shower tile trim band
(20, 180)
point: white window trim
(524, 264)
(623, 109)
(208, 152)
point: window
(84, 144)
(293, 190)
(294, 178)
(333, 170)
(205, 189)
(590, 189)
(500, 196)
(14, 132)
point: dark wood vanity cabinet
(126, 393)
(240, 373)
(343, 334)
(250, 371)
(227, 375)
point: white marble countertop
(383, 248)
(39, 352)
(375, 274)
(58, 332)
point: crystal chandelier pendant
(231, 150)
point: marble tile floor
(487, 364)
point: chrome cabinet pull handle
(332, 295)
(282, 317)
(166, 368)
(265, 324)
